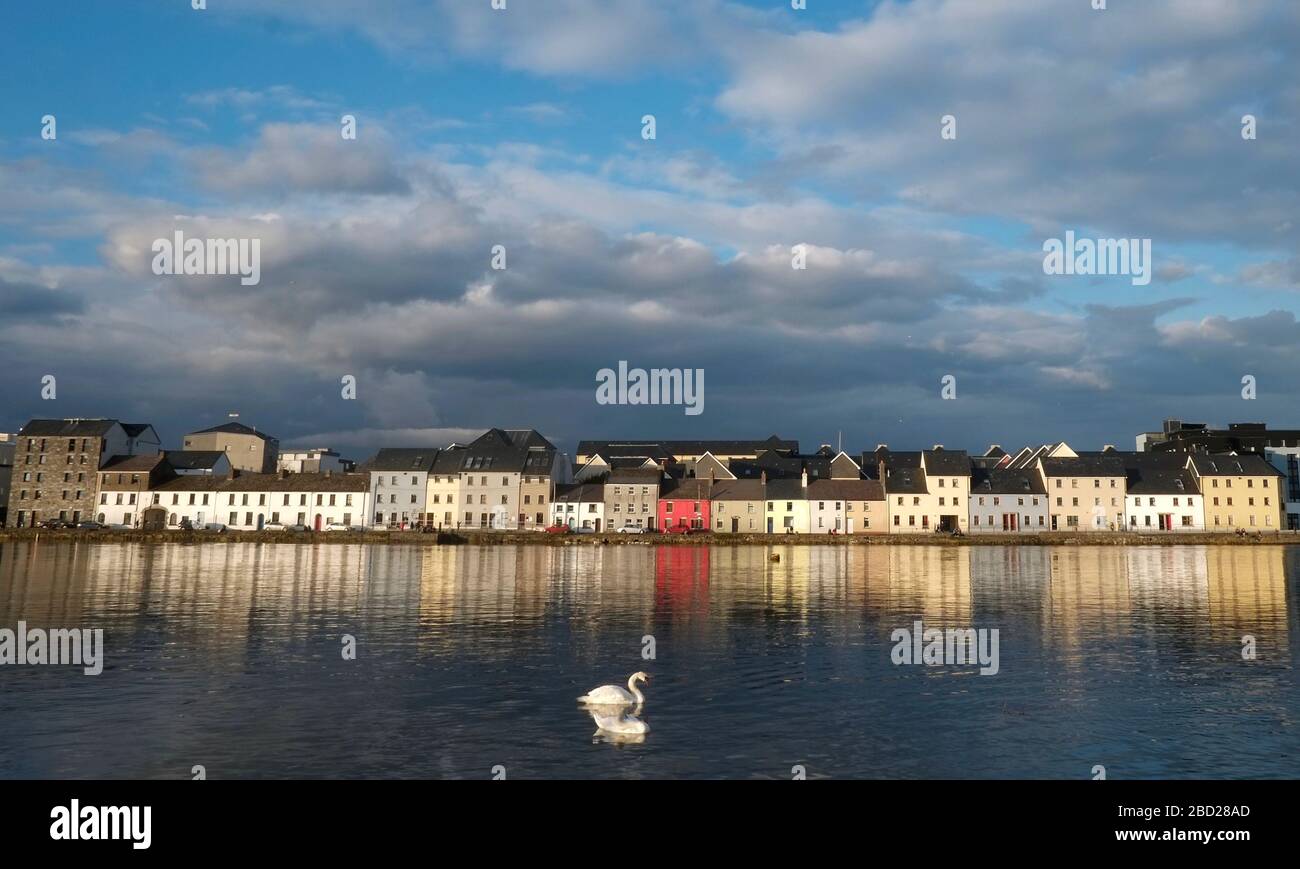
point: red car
(557, 529)
(678, 529)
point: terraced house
(1007, 501)
(57, 461)
(1162, 493)
(399, 481)
(1085, 492)
(250, 502)
(927, 491)
(579, 505)
(1240, 493)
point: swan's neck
(631, 686)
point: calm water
(229, 656)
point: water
(229, 656)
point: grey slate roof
(846, 490)
(234, 428)
(1095, 465)
(67, 428)
(1250, 465)
(575, 492)
(408, 459)
(1154, 479)
(738, 490)
(668, 447)
(947, 463)
(269, 483)
(1001, 481)
(193, 460)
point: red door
(317, 521)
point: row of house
(515, 479)
(768, 487)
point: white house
(251, 501)
(399, 482)
(1008, 501)
(580, 506)
(1163, 496)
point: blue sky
(775, 127)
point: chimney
(938, 446)
(762, 477)
(803, 478)
(880, 470)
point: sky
(776, 129)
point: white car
(339, 526)
(273, 526)
(632, 529)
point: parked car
(557, 529)
(119, 526)
(298, 527)
(339, 526)
(215, 526)
(54, 524)
(584, 530)
(678, 529)
(273, 526)
(89, 526)
(632, 529)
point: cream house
(926, 491)
(1240, 492)
(1085, 493)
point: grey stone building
(57, 462)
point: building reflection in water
(223, 597)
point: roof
(646, 475)
(194, 460)
(409, 459)
(785, 490)
(1094, 465)
(846, 490)
(67, 428)
(269, 483)
(947, 463)
(235, 428)
(667, 447)
(906, 480)
(1155, 479)
(118, 464)
(135, 429)
(738, 490)
(1001, 481)
(575, 492)
(693, 489)
(1250, 465)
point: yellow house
(1239, 493)
(442, 496)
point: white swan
(613, 695)
(620, 724)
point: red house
(685, 504)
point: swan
(621, 724)
(613, 695)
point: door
(769, 524)
(735, 524)
(597, 526)
(317, 522)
